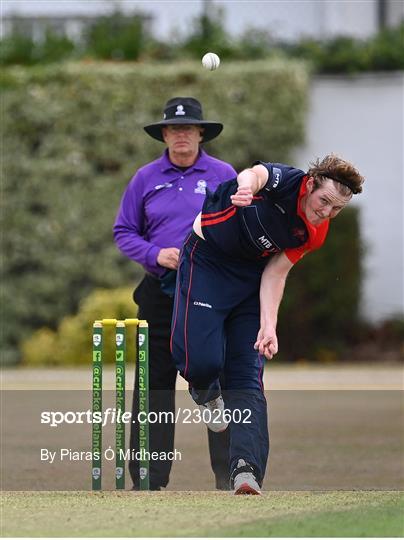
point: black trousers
(156, 307)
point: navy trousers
(156, 307)
(215, 324)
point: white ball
(211, 61)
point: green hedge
(381, 52)
(71, 343)
(73, 137)
(21, 49)
(319, 315)
(121, 37)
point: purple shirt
(160, 204)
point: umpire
(156, 213)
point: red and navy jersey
(273, 222)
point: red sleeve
(295, 254)
(317, 236)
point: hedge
(119, 36)
(342, 54)
(71, 343)
(72, 139)
(319, 315)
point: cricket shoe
(243, 480)
(213, 414)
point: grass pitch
(203, 514)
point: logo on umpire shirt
(201, 187)
(165, 185)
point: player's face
(182, 140)
(324, 202)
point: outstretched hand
(242, 197)
(267, 342)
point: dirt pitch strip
(335, 468)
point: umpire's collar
(199, 165)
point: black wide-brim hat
(184, 110)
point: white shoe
(243, 480)
(212, 414)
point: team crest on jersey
(201, 187)
(299, 233)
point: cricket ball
(211, 61)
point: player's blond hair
(347, 178)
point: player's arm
(250, 181)
(272, 286)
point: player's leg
(219, 457)
(249, 440)
(197, 339)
